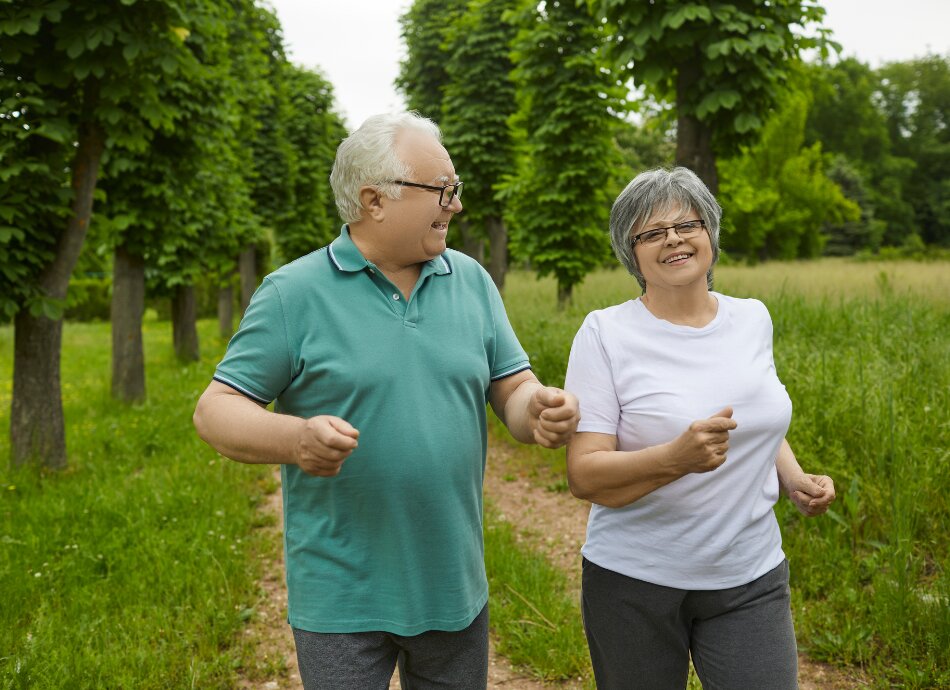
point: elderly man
(381, 352)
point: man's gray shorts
(641, 635)
(365, 661)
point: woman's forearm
(615, 478)
(786, 466)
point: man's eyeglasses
(446, 193)
(657, 235)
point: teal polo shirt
(394, 542)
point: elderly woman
(681, 449)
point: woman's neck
(685, 307)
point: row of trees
(201, 145)
(197, 140)
(532, 98)
(536, 103)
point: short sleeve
(590, 378)
(258, 360)
(508, 355)
(768, 336)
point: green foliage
(182, 203)
(559, 197)
(723, 64)
(313, 132)
(34, 195)
(89, 299)
(423, 74)
(643, 146)
(843, 115)
(251, 160)
(915, 97)
(478, 99)
(139, 566)
(846, 118)
(776, 196)
(865, 233)
(69, 68)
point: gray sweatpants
(365, 661)
(641, 635)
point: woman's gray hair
(660, 191)
(368, 157)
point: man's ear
(372, 202)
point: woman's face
(673, 261)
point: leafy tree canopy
(776, 196)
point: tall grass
(863, 349)
(135, 567)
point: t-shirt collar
(346, 256)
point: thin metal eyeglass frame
(666, 230)
(455, 187)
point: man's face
(417, 224)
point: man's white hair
(368, 157)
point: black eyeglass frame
(456, 188)
(675, 228)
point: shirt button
(396, 296)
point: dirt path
(274, 642)
(551, 522)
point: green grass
(137, 566)
(537, 624)
(863, 349)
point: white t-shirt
(645, 380)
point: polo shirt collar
(346, 256)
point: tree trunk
(184, 327)
(498, 251)
(247, 266)
(226, 311)
(128, 305)
(693, 137)
(564, 295)
(37, 428)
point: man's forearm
(241, 430)
(517, 416)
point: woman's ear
(372, 202)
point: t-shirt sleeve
(508, 357)
(258, 362)
(767, 330)
(590, 378)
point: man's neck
(403, 276)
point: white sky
(356, 43)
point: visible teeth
(675, 257)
